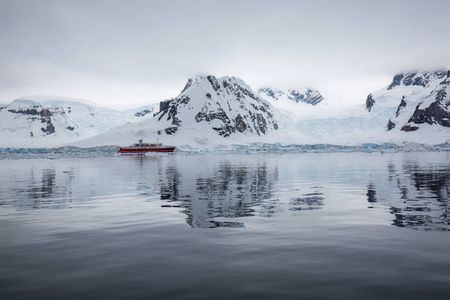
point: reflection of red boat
(144, 147)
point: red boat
(141, 147)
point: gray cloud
(118, 51)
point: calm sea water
(263, 226)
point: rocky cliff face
(65, 119)
(435, 109)
(36, 113)
(308, 96)
(414, 78)
(369, 102)
(425, 100)
(227, 105)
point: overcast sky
(118, 52)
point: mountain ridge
(308, 96)
(59, 121)
(213, 112)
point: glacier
(225, 114)
(48, 121)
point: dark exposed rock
(396, 81)
(71, 128)
(184, 100)
(433, 114)
(400, 106)
(390, 125)
(414, 78)
(49, 129)
(269, 93)
(441, 95)
(424, 79)
(143, 112)
(46, 113)
(411, 79)
(240, 124)
(163, 105)
(310, 97)
(204, 115)
(261, 123)
(409, 128)
(28, 111)
(188, 85)
(214, 82)
(369, 102)
(240, 92)
(254, 106)
(170, 130)
(169, 108)
(225, 130)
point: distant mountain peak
(426, 104)
(435, 109)
(47, 119)
(226, 104)
(308, 96)
(416, 78)
(54, 99)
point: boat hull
(145, 150)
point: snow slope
(209, 112)
(206, 116)
(46, 122)
(288, 96)
(422, 110)
(356, 124)
(222, 113)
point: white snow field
(212, 114)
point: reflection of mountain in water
(41, 185)
(42, 191)
(309, 201)
(227, 191)
(213, 191)
(371, 194)
(424, 196)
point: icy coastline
(235, 148)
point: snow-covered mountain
(217, 113)
(373, 121)
(208, 111)
(421, 104)
(307, 96)
(227, 105)
(423, 79)
(434, 109)
(47, 121)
